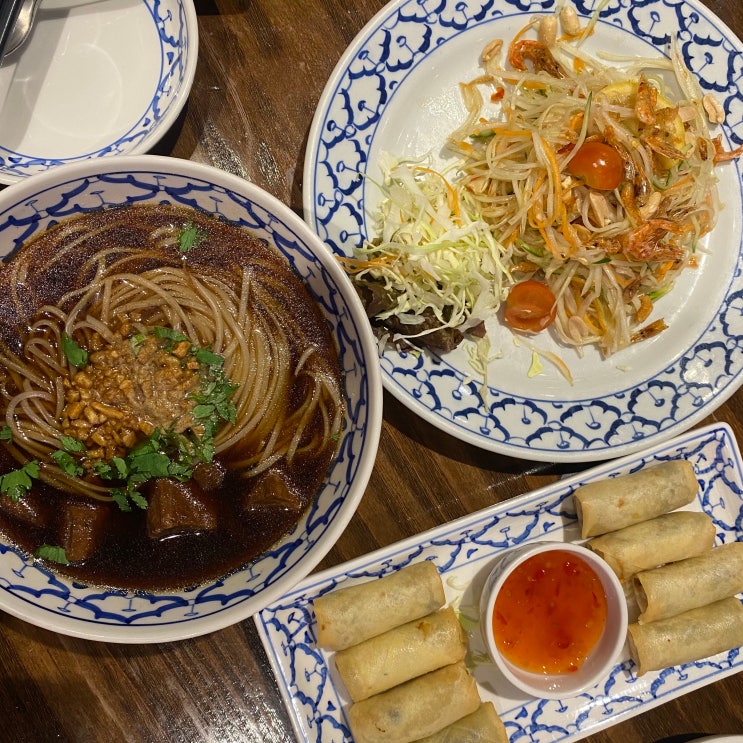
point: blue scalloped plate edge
(463, 551)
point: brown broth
(127, 557)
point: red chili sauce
(550, 613)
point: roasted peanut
(713, 108)
(569, 21)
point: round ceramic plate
(94, 78)
(396, 90)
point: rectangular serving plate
(464, 551)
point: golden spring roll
(667, 538)
(608, 505)
(482, 726)
(633, 610)
(351, 615)
(402, 653)
(695, 634)
(687, 584)
(417, 708)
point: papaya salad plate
(542, 211)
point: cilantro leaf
(67, 463)
(152, 464)
(77, 356)
(169, 334)
(16, 483)
(52, 553)
(205, 356)
(71, 444)
(5, 433)
(136, 341)
(120, 499)
(139, 500)
(189, 237)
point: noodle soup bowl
(29, 588)
(511, 574)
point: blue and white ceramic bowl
(95, 78)
(33, 593)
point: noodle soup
(170, 397)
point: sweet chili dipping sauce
(550, 613)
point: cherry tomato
(531, 306)
(599, 165)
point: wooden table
(262, 67)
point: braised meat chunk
(83, 527)
(178, 508)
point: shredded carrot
(560, 214)
(356, 265)
(661, 270)
(453, 199)
(576, 121)
(511, 132)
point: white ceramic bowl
(30, 591)
(95, 78)
(601, 659)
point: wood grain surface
(262, 67)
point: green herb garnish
(67, 463)
(189, 237)
(17, 483)
(136, 342)
(77, 356)
(213, 403)
(5, 433)
(52, 553)
(64, 459)
(71, 444)
(169, 334)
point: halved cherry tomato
(531, 306)
(599, 165)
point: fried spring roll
(482, 726)
(402, 653)
(608, 505)
(348, 616)
(695, 634)
(667, 538)
(417, 708)
(688, 584)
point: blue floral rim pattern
(464, 551)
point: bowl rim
(25, 189)
(535, 684)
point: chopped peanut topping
(124, 394)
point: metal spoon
(22, 27)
